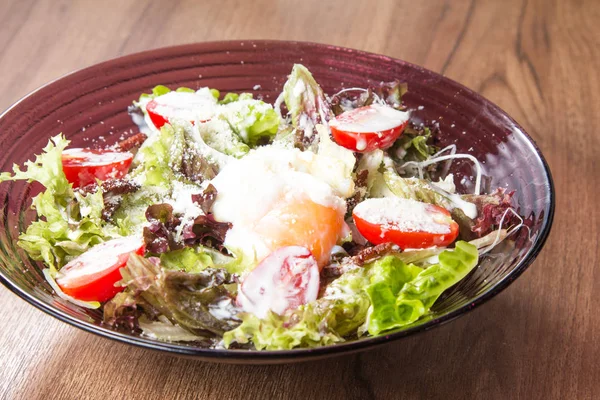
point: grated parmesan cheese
(401, 214)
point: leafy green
(381, 295)
(160, 90)
(415, 189)
(394, 305)
(165, 330)
(307, 105)
(68, 223)
(219, 135)
(186, 259)
(326, 321)
(231, 97)
(155, 159)
(413, 145)
(168, 156)
(274, 332)
(185, 299)
(254, 121)
(389, 92)
(47, 170)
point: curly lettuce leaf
(395, 305)
(338, 313)
(306, 104)
(275, 333)
(47, 170)
(194, 301)
(68, 222)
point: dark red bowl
(90, 108)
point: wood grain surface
(537, 59)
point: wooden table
(537, 59)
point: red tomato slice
(409, 224)
(179, 105)
(368, 128)
(92, 275)
(284, 280)
(84, 166)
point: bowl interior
(90, 108)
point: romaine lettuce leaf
(307, 105)
(394, 305)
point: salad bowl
(90, 106)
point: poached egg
(273, 199)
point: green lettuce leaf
(187, 259)
(254, 121)
(338, 313)
(307, 105)
(219, 135)
(47, 170)
(381, 295)
(394, 305)
(160, 90)
(231, 97)
(170, 156)
(413, 145)
(155, 161)
(415, 189)
(68, 223)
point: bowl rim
(234, 355)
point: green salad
(231, 222)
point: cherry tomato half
(368, 128)
(180, 105)
(84, 166)
(284, 280)
(409, 224)
(92, 275)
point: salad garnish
(230, 222)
